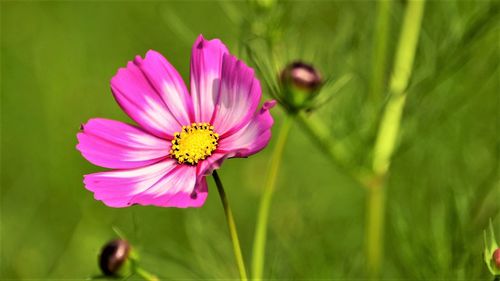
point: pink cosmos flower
(180, 137)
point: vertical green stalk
(403, 64)
(259, 245)
(380, 52)
(374, 226)
(232, 228)
(389, 130)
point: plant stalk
(146, 275)
(259, 245)
(389, 131)
(380, 52)
(232, 228)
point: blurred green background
(56, 62)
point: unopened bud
(491, 252)
(114, 257)
(301, 82)
(302, 75)
(496, 258)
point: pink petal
(207, 166)
(164, 184)
(176, 189)
(151, 92)
(239, 96)
(116, 145)
(117, 188)
(252, 138)
(206, 66)
(169, 84)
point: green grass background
(56, 62)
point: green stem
(374, 226)
(232, 228)
(389, 130)
(259, 244)
(403, 64)
(380, 51)
(146, 275)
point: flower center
(194, 143)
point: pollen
(194, 143)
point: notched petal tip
(202, 43)
(138, 60)
(150, 54)
(268, 105)
(194, 195)
(120, 72)
(199, 42)
(154, 55)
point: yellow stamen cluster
(194, 143)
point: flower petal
(247, 141)
(207, 166)
(169, 84)
(206, 66)
(164, 184)
(117, 188)
(142, 95)
(239, 96)
(113, 144)
(176, 189)
(252, 138)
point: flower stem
(388, 132)
(259, 244)
(380, 50)
(375, 210)
(146, 275)
(232, 228)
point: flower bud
(114, 257)
(302, 75)
(496, 258)
(301, 82)
(491, 251)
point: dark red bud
(302, 75)
(496, 258)
(113, 255)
